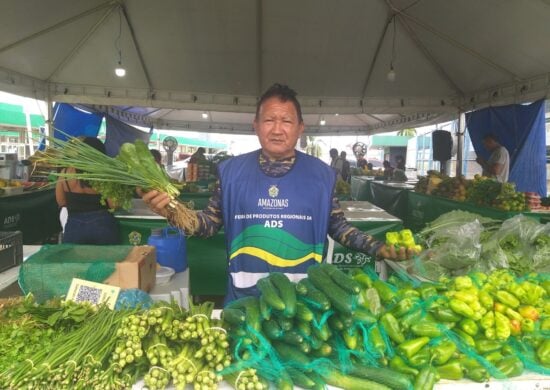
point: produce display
(403, 238)
(342, 187)
(363, 333)
(481, 191)
(459, 242)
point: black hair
(95, 143)
(283, 93)
(156, 155)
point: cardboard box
(137, 270)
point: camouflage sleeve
(348, 235)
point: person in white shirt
(336, 163)
(498, 165)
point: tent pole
(49, 119)
(460, 142)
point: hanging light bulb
(120, 71)
(322, 122)
(204, 115)
(391, 74)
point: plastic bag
(132, 298)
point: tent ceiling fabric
(184, 57)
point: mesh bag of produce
(49, 272)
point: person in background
(400, 163)
(198, 157)
(157, 156)
(388, 169)
(498, 165)
(89, 221)
(336, 162)
(361, 162)
(270, 197)
(346, 169)
(370, 166)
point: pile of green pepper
(474, 326)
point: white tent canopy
(185, 57)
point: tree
(407, 132)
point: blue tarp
(521, 130)
(118, 133)
(74, 121)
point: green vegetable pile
(358, 332)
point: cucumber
(270, 294)
(286, 324)
(272, 329)
(265, 310)
(233, 317)
(284, 382)
(304, 328)
(346, 319)
(335, 323)
(323, 332)
(341, 279)
(292, 337)
(251, 307)
(325, 350)
(348, 382)
(291, 354)
(315, 342)
(299, 378)
(339, 299)
(305, 347)
(315, 297)
(385, 376)
(303, 313)
(350, 337)
(301, 288)
(287, 292)
(364, 315)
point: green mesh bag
(49, 272)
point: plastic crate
(11, 249)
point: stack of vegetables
(361, 332)
(79, 346)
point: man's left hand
(389, 252)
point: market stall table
(390, 196)
(35, 213)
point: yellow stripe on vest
(270, 258)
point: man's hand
(155, 200)
(389, 252)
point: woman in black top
(89, 221)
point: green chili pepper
(445, 314)
(363, 279)
(507, 350)
(510, 366)
(465, 337)
(407, 293)
(488, 320)
(386, 293)
(507, 299)
(421, 358)
(463, 282)
(461, 308)
(410, 347)
(502, 326)
(518, 291)
(493, 357)
(465, 296)
(478, 374)
(486, 300)
(452, 370)
(427, 290)
(404, 306)
(543, 352)
(398, 364)
(512, 314)
(426, 379)
(468, 326)
(484, 346)
(490, 333)
(413, 317)
(391, 326)
(442, 352)
(533, 292)
(479, 278)
(426, 328)
(375, 338)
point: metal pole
(49, 119)
(460, 142)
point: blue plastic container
(170, 246)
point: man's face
(278, 128)
(489, 144)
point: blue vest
(273, 223)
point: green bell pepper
(426, 328)
(484, 346)
(398, 364)
(426, 379)
(386, 293)
(488, 320)
(510, 366)
(407, 293)
(376, 340)
(391, 326)
(410, 347)
(478, 374)
(486, 300)
(543, 352)
(460, 307)
(404, 306)
(465, 337)
(502, 326)
(507, 299)
(421, 358)
(427, 290)
(413, 317)
(445, 314)
(463, 282)
(493, 357)
(443, 352)
(452, 370)
(468, 326)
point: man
(336, 162)
(346, 168)
(498, 165)
(276, 204)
